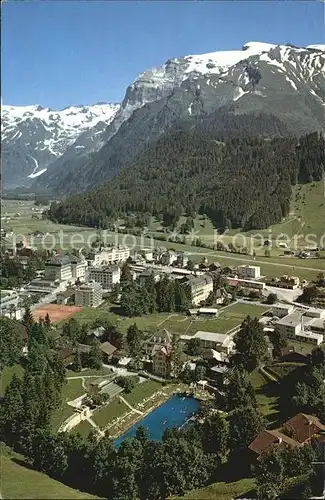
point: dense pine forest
(238, 180)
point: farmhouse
(297, 431)
(107, 350)
(96, 333)
(168, 258)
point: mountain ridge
(283, 80)
(33, 136)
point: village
(87, 288)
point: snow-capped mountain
(33, 137)
(283, 80)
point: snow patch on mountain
(36, 134)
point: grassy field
(83, 428)
(110, 412)
(176, 323)
(66, 237)
(88, 372)
(307, 204)
(221, 491)
(266, 395)
(19, 480)
(7, 375)
(71, 390)
(142, 391)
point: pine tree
(77, 365)
(95, 357)
(126, 275)
(11, 410)
(250, 344)
(133, 337)
(47, 321)
(28, 319)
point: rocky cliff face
(33, 137)
(285, 81)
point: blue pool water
(174, 413)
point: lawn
(302, 347)
(7, 375)
(19, 480)
(83, 428)
(306, 215)
(110, 412)
(68, 237)
(307, 204)
(220, 491)
(71, 390)
(176, 323)
(88, 372)
(283, 369)
(142, 391)
(267, 396)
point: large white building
(89, 295)
(220, 342)
(310, 337)
(107, 276)
(78, 268)
(200, 288)
(313, 312)
(290, 325)
(108, 255)
(249, 272)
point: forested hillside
(241, 182)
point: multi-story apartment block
(290, 325)
(89, 295)
(289, 282)
(58, 268)
(107, 256)
(78, 268)
(249, 272)
(107, 276)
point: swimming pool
(173, 413)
